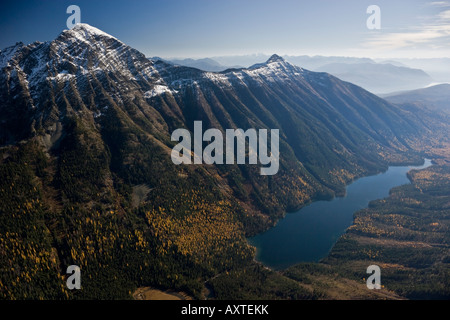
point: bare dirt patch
(149, 293)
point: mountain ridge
(85, 157)
(73, 57)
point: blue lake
(309, 234)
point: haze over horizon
(200, 28)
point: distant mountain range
(381, 77)
(86, 176)
(434, 98)
(316, 62)
(437, 68)
(205, 64)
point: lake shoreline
(396, 170)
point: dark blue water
(310, 233)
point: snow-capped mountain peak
(85, 31)
(85, 49)
(275, 58)
(75, 57)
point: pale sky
(206, 28)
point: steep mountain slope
(87, 179)
(344, 126)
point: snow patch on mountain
(84, 31)
(158, 90)
(273, 70)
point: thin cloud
(439, 4)
(445, 15)
(435, 32)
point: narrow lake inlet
(309, 234)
